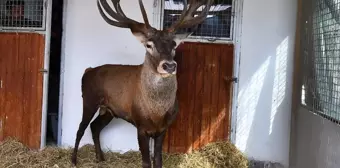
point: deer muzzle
(167, 68)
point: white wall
(265, 88)
(89, 41)
(263, 120)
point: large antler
(187, 18)
(122, 20)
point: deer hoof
(100, 160)
(74, 161)
(146, 165)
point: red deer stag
(143, 95)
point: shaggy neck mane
(156, 89)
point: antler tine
(187, 18)
(108, 20)
(145, 17)
(122, 20)
(118, 7)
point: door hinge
(231, 79)
(43, 70)
(0, 84)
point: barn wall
(89, 41)
(317, 141)
(265, 79)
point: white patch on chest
(159, 96)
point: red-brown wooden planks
(198, 92)
(204, 95)
(207, 78)
(190, 99)
(23, 56)
(2, 74)
(216, 122)
(228, 72)
(222, 94)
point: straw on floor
(14, 154)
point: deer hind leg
(103, 119)
(89, 109)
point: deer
(143, 95)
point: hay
(14, 154)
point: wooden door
(204, 96)
(22, 57)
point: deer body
(143, 95)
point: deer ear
(140, 32)
(140, 37)
(179, 38)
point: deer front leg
(143, 141)
(157, 159)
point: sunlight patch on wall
(303, 95)
(247, 102)
(279, 87)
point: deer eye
(174, 43)
(149, 44)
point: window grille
(22, 14)
(321, 63)
(218, 24)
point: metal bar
(321, 48)
(219, 41)
(23, 31)
(62, 70)
(234, 8)
(46, 75)
(237, 34)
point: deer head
(160, 45)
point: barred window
(22, 14)
(217, 25)
(321, 65)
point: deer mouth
(165, 75)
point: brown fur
(140, 94)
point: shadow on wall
(262, 103)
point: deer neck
(157, 91)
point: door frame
(45, 30)
(236, 34)
(48, 21)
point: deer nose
(170, 67)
